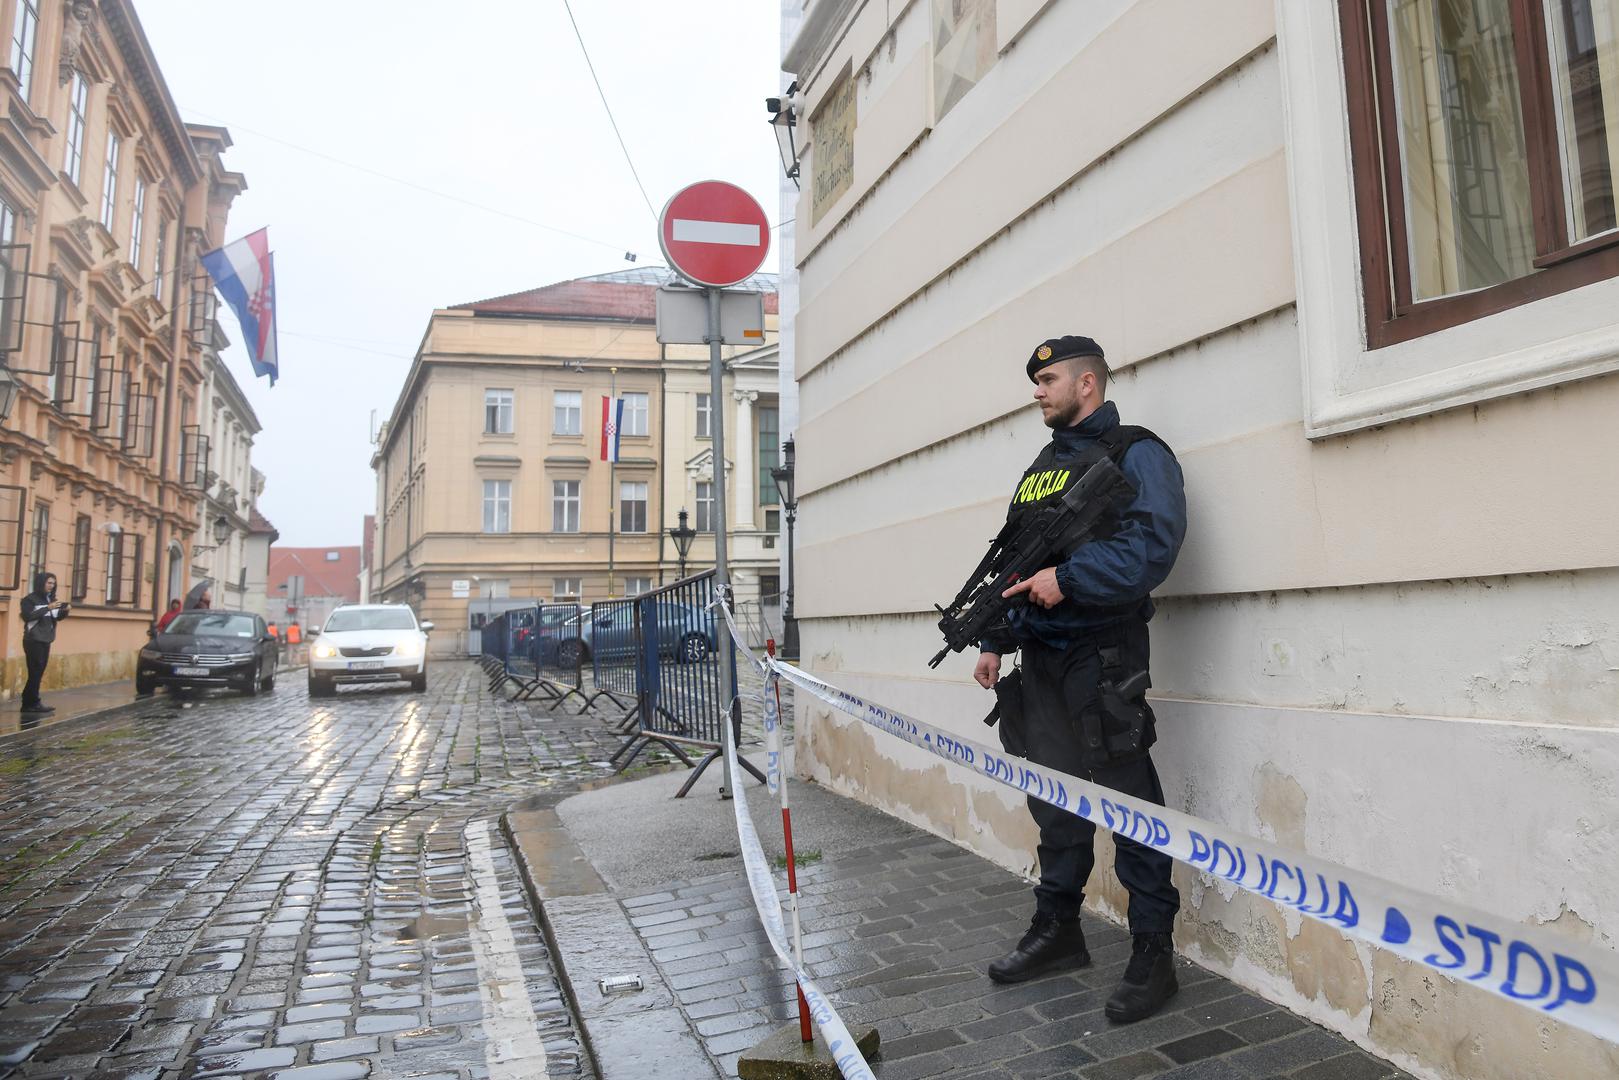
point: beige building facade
(490, 479)
(106, 200)
(1391, 635)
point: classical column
(745, 466)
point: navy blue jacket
(1105, 575)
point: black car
(209, 648)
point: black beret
(1062, 348)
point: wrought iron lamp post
(683, 535)
(9, 389)
(783, 475)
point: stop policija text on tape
(1519, 963)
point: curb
(98, 714)
(590, 937)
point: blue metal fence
(679, 698)
(656, 655)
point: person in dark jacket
(1084, 647)
(41, 611)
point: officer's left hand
(1042, 589)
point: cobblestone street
(270, 884)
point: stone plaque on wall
(832, 160)
(963, 49)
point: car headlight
(323, 652)
(409, 649)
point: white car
(369, 643)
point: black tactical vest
(1052, 474)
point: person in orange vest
(293, 634)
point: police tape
(762, 883)
(1522, 964)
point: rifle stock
(1049, 536)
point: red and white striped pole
(773, 736)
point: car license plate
(191, 671)
(365, 665)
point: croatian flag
(245, 274)
(612, 423)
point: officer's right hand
(988, 671)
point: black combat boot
(1049, 941)
(1148, 981)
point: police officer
(1084, 641)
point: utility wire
(603, 95)
(420, 187)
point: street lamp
(9, 389)
(784, 120)
(221, 530)
(683, 536)
(783, 476)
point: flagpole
(612, 476)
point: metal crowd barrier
(612, 644)
(669, 639)
(536, 650)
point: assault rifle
(1049, 536)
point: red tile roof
(258, 523)
(322, 576)
(627, 294)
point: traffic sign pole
(722, 569)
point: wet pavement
(277, 886)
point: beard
(1058, 418)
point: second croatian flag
(612, 423)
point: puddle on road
(427, 927)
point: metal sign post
(722, 570)
(716, 235)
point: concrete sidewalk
(898, 927)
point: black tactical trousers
(1059, 686)
(38, 654)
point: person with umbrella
(201, 596)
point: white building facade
(231, 492)
(1392, 637)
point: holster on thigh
(1116, 725)
(1010, 713)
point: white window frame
(112, 591)
(39, 542)
(632, 493)
(567, 411)
(705, 507)
(568, 587)
(500, 405)
(109, 182)
(497, 506)
(630, 584)
(705, 416)
(138, 221)
(637, 408)
(160, 257)
(78, 112)
(24, 35)
(566, 507)
(1348, 387)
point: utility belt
(1113, 724)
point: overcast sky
(488, 101)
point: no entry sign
(714, 234)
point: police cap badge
(1063, 348)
